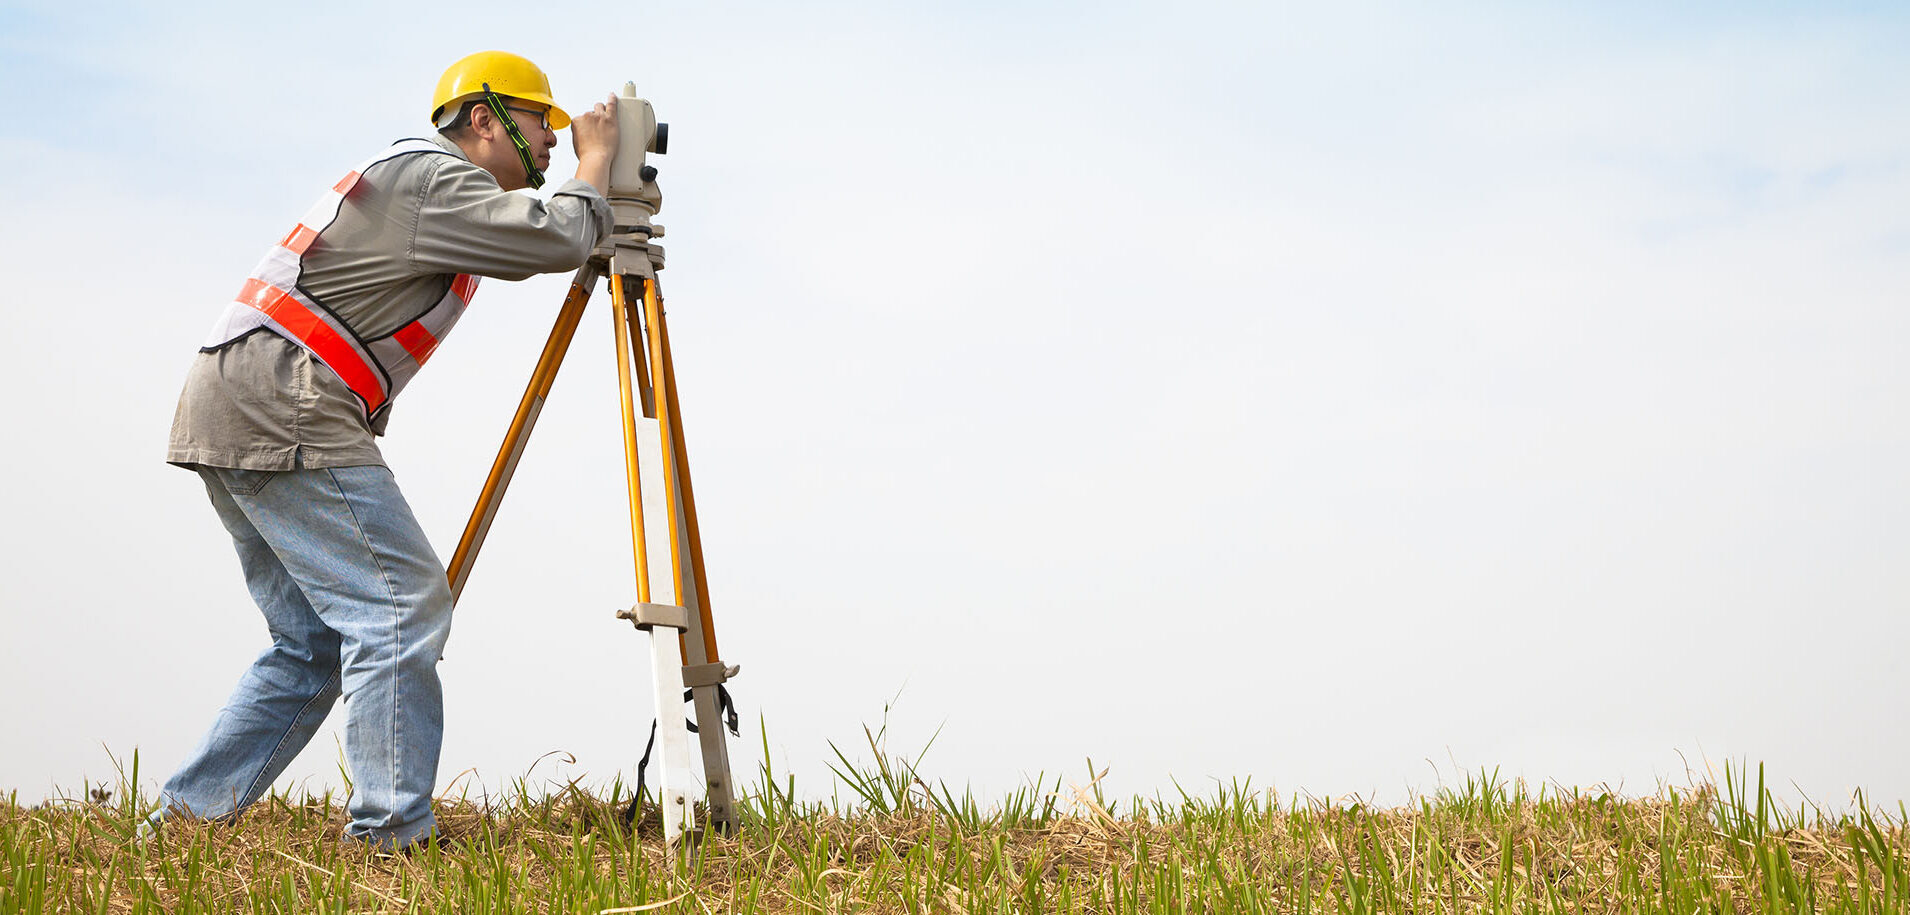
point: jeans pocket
(244, 482)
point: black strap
(492, 101)
(724, 704)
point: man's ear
(483, 120)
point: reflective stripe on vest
(375, 370)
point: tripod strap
(724, 703)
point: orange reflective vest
(374, 368)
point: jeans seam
(397, 701)
(226, 480)
(253, 790)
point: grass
(901, 844)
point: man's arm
(467, 224)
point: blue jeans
(358, 606)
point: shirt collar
(448, 146)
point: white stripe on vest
(375, 370)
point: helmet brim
(559, 118)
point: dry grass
(908, 847)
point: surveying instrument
(682, 638)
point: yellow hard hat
(507, 74)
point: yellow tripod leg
(692, 535)
(520, 431)
(685, 542)
(703, 672)
(633, 474)
(675, 797)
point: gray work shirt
(412, 223)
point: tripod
(682, 635)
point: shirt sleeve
(468, 224)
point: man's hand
(593, 134)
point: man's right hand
(593, 135)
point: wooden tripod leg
(692, 536)
(704, 671)
(520, 431)
(621, 318)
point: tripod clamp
(648, 616)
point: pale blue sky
(1218, 390)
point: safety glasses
(540, 118)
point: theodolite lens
(661, 145)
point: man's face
(532, 121)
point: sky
(1343, 397)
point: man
(279, 413)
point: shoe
(147, 832)
(443, 843)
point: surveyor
(281, 407)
